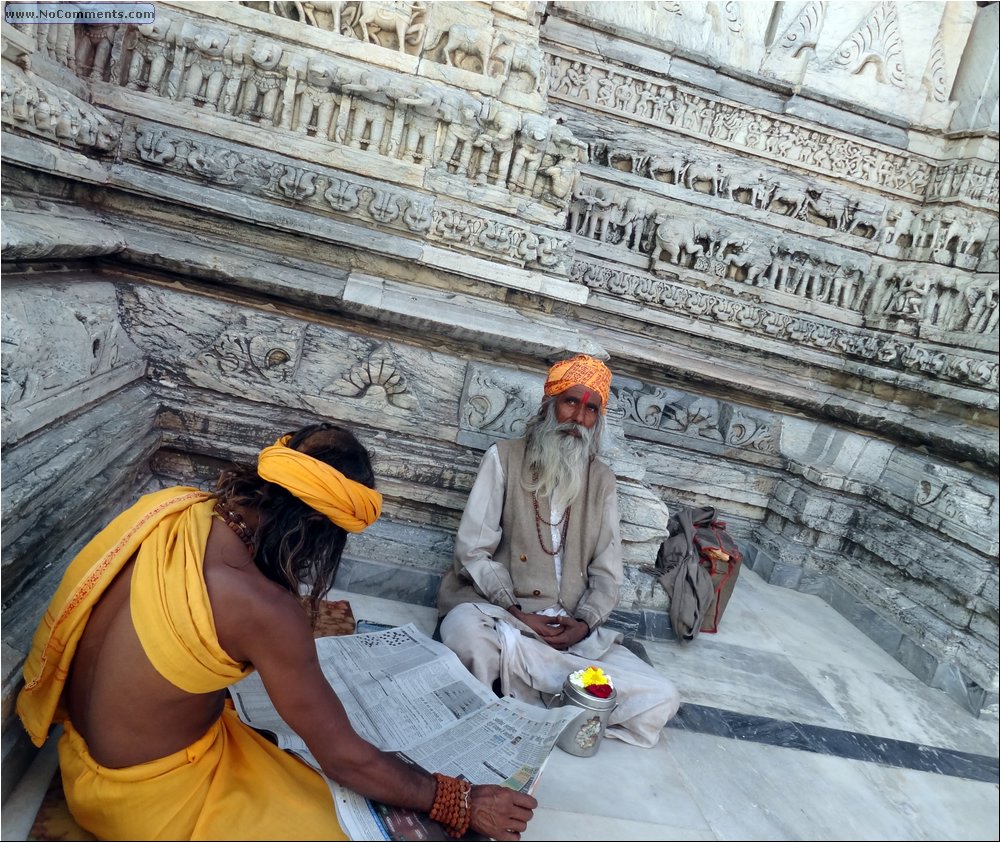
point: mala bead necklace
(539, 520)
(451, 807)
(235, 522)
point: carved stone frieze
(274, 177)
(671, 410)
(977, 370)
(47, 111)
(759, 187)
(620, 91)
(253, 78)
(496, 237)
(974, 181)
(767, 259)
(473, 41)
(391, 25)
(949, 235)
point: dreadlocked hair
(294, 545)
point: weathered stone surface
(59, 359)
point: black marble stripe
(847, 744)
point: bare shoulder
(245, 603)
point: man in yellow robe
(181, 596)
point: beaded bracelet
(451, 805)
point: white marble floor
(783, 667)
(779, 657)
(788, 657)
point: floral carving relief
(271, 356)
(672, 410)
(496, 403)
(377, 381)
(876, 41)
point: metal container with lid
(583, 735)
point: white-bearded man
(538, 562)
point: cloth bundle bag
(697, 566)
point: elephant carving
(675, 236)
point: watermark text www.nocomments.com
(95, 13)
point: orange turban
(580, 370)
(349, 504)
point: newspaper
(407, 693)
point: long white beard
(559, 461)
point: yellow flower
(594, 675)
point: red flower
(602, 691)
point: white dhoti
(493, 644)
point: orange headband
(580, 370)
(349, 504)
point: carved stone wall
(777, 221)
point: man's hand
(558, 632)
(567, 632)
(500, 813)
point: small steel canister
(583, 735)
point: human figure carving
(573, 81)
(93, 49)
(983, 309)
(315, 98)
(149, 58)
(908, 301)
(562, 173)
(205, 68)
(263, 86)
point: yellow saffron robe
(231, 783)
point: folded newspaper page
(407, 693)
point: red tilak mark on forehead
(586, 395)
